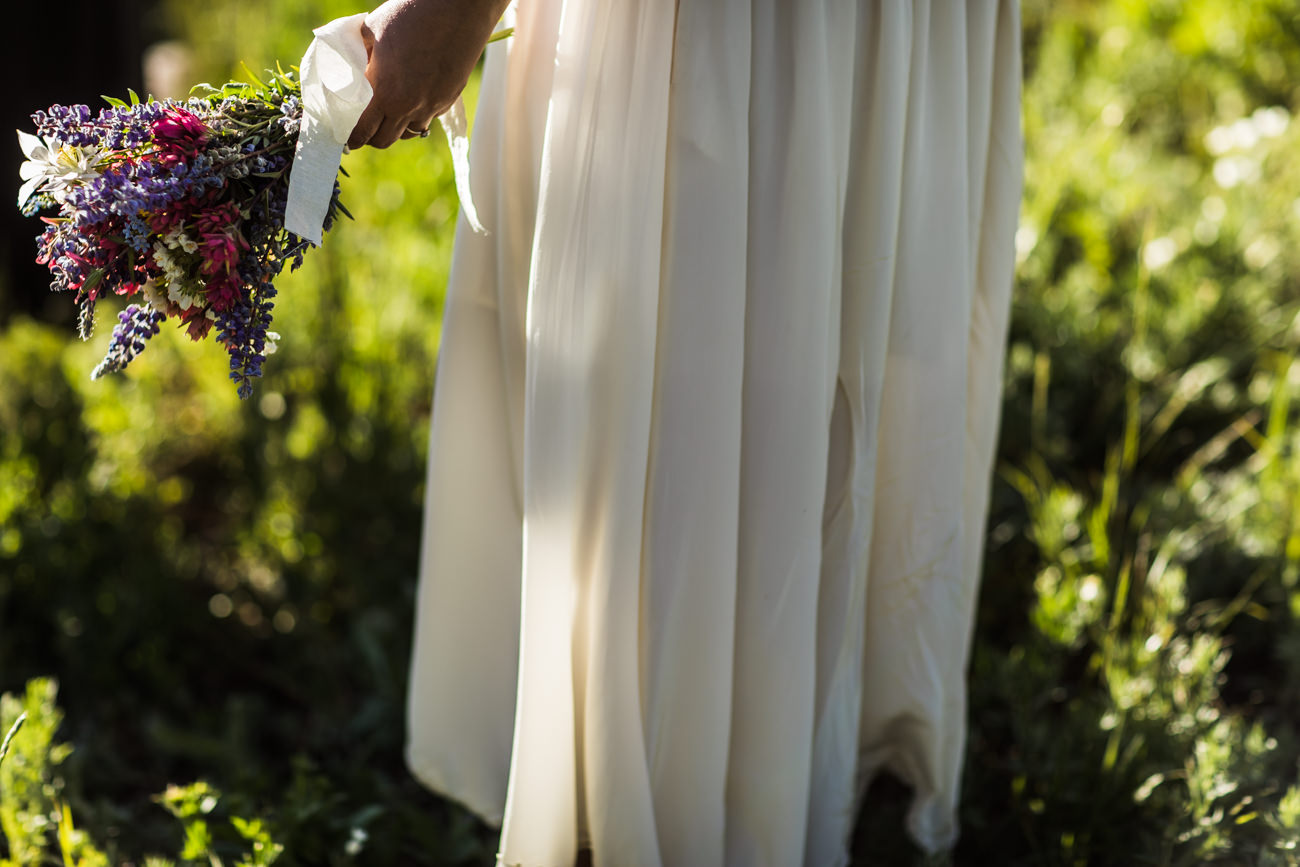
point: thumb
(368, 37)
(366, 127)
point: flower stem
(18, 723)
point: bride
(715, 414)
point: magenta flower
(223, 290)
(215, 218)
(221, 250)
(179, 134)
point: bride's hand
(421, 54)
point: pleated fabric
(714, 423)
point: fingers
(377, 130)
(389, 131)
(367, 125)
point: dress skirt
(714, 423)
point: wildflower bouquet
(177, 205)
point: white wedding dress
(714, 424)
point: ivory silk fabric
(714, 424)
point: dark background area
(71, 52)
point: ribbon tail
(456, 127)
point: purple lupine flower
(64, 250)
(69, 124)
(86, 316)
(290, 115)
(126, 190)
(115, 128)
(135, 325)
(130, 127)
(243, 329)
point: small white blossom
(154, 295)
(178, 238)
(175, 277)
(162, 255)
(179, 298)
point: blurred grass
(223, 589)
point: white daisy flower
(53, 167)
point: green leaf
(95, 278)
(198, 839)
(237, 88)
(249, 829)
(114, 101)
(135, 97)
(252, 76)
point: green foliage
(33, 817)
(224, 589)
(1143, 711)
(196, 805)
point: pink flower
(220, 241)
(221, 250)
(174, 217)
(216, 218)
(179, 134)
(223, 291)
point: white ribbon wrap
(334, 94)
